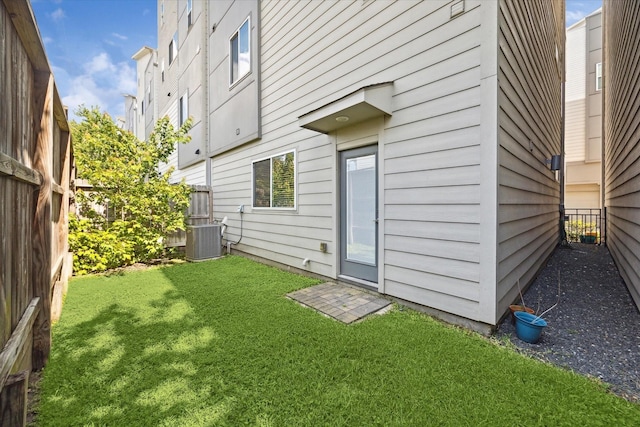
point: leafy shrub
(131, 206)
(577, 228)
(96, 250)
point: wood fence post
(41, 270)
(13, 400)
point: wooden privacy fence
(199, 213)
(35, 182)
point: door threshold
(372, 286)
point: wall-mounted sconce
(555, 161)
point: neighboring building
(182, 85)
(622, 138)
(130, 114)
(146, 104)
(401, 146)
(583, 109)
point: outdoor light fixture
(555, 161)
(342, 119)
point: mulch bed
(594, 329)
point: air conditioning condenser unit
(203, 242)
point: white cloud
(47, 40)
(577, 10)
(575, 15)
(119, 36)
(101, 84)
(58, 15)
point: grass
(217, 343)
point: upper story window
(189, 12)
(173, 48)
(240, 54)
(149, 92)
(162, 70)
(274, 182)
(183, 109)
(599, 76)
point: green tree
(132, 206)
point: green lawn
(217, 343)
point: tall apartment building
(400, 146)
(583, 106)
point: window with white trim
(189, 13)
(173, 48)
(599, 76)
(274, 182)
(240, 53)
(162, 70)
(183, 109)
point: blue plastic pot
(529, 326)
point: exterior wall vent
(457, 8)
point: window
(274, 183)
(149, 92)
(173, 48)
(162, 70)
(239, 54)
(142, 108)
(599, 76)
(183, 109)
(189, 12)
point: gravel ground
(595, 329)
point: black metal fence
(583, 225)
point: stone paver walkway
(341, 302)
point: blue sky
(89, 44)
(578, 9)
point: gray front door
(359, 213)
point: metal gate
(583, 225)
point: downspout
(563, 80)
(603, 135)
(206, 103)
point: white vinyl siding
(575, 97)
(622, 139)
(529, 132)
(192, 175)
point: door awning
(365, 103)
